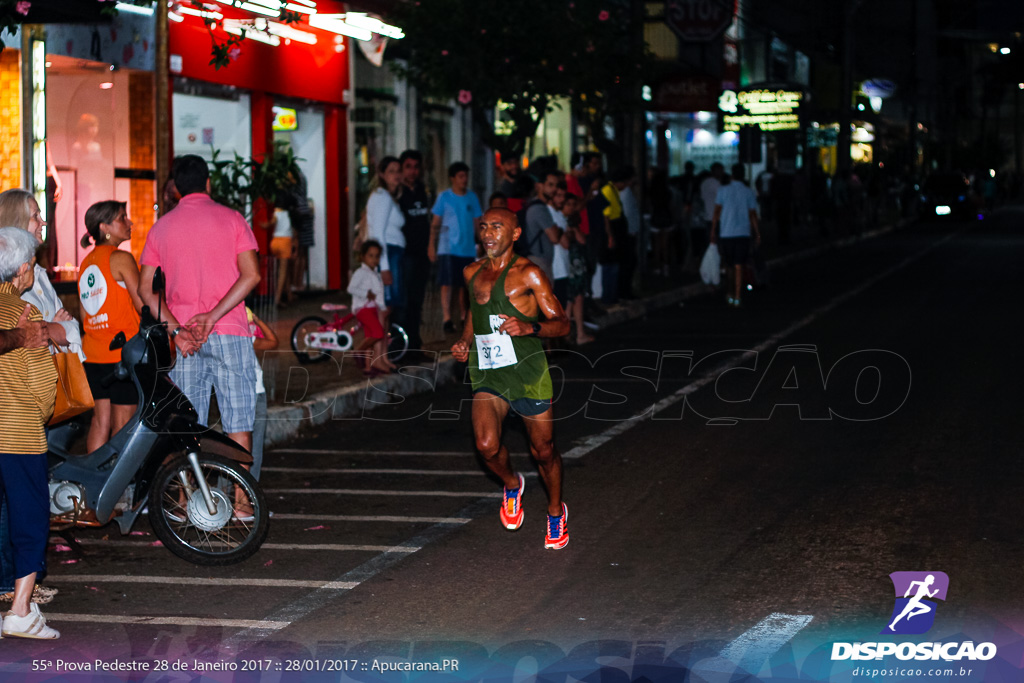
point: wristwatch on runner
(536, 330)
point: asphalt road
(741, 483)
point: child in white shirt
(367, 290)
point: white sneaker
(32, 625)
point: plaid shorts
(227, 363)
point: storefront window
(374, 125)
(100, 130)
(435, 143)
(306, 141)
(689, 137)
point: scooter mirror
(118, 341)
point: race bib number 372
(495, 351)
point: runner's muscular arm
(553, 323)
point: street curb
(351, 402)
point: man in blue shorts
(734, 228)
(453, 238)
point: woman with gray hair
(28, 387)
(19, 208)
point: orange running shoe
(558, 530)
(512, 506)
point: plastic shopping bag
(711, 266)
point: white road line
(607, 380)
(375, 492)
(328, 451)
(372, 518)
(752, 650)
(197, 581)
(319, 470)
(57, 617)
(299, 609)
(265, 546)
(597, 440)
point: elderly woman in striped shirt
(28, 386)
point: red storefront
(296, 75)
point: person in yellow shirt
(28, 387)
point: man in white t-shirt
(560, 255)
(733, 224)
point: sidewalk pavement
(306, 395)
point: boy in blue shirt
(456, 217)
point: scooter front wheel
(183, 521)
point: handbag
(711, 266)
(74, 396)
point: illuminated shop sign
(285, 119)
(767, 109)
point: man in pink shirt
(208, 255)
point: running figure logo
(914, 613)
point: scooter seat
(334, 307)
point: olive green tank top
(528, 377)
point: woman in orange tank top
(108, 288)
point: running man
(512, 305)
(915, 607)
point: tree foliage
(240, 183)
(524, 55)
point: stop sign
(699, 20)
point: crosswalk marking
(57, 617)
(265, 546)
(199, 581)
(354, 470)
(371, 518)
(752, 650)
(329, 451)
(376, 492)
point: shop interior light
(259, 9)
(301, 9)
(134, 9)
(106, 86)
(362, 20)
(308, 3)
(257, 30)
(269, 4)
(290, 33)
(704, 116)
(1004, 50)
(192, 11)
(335, 24)
(173, 16)
(254, 34)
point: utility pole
(912, 123)
(163, 103)
(638, 13)
(846, 87)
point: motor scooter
(202, 502)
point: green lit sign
(767, 109)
